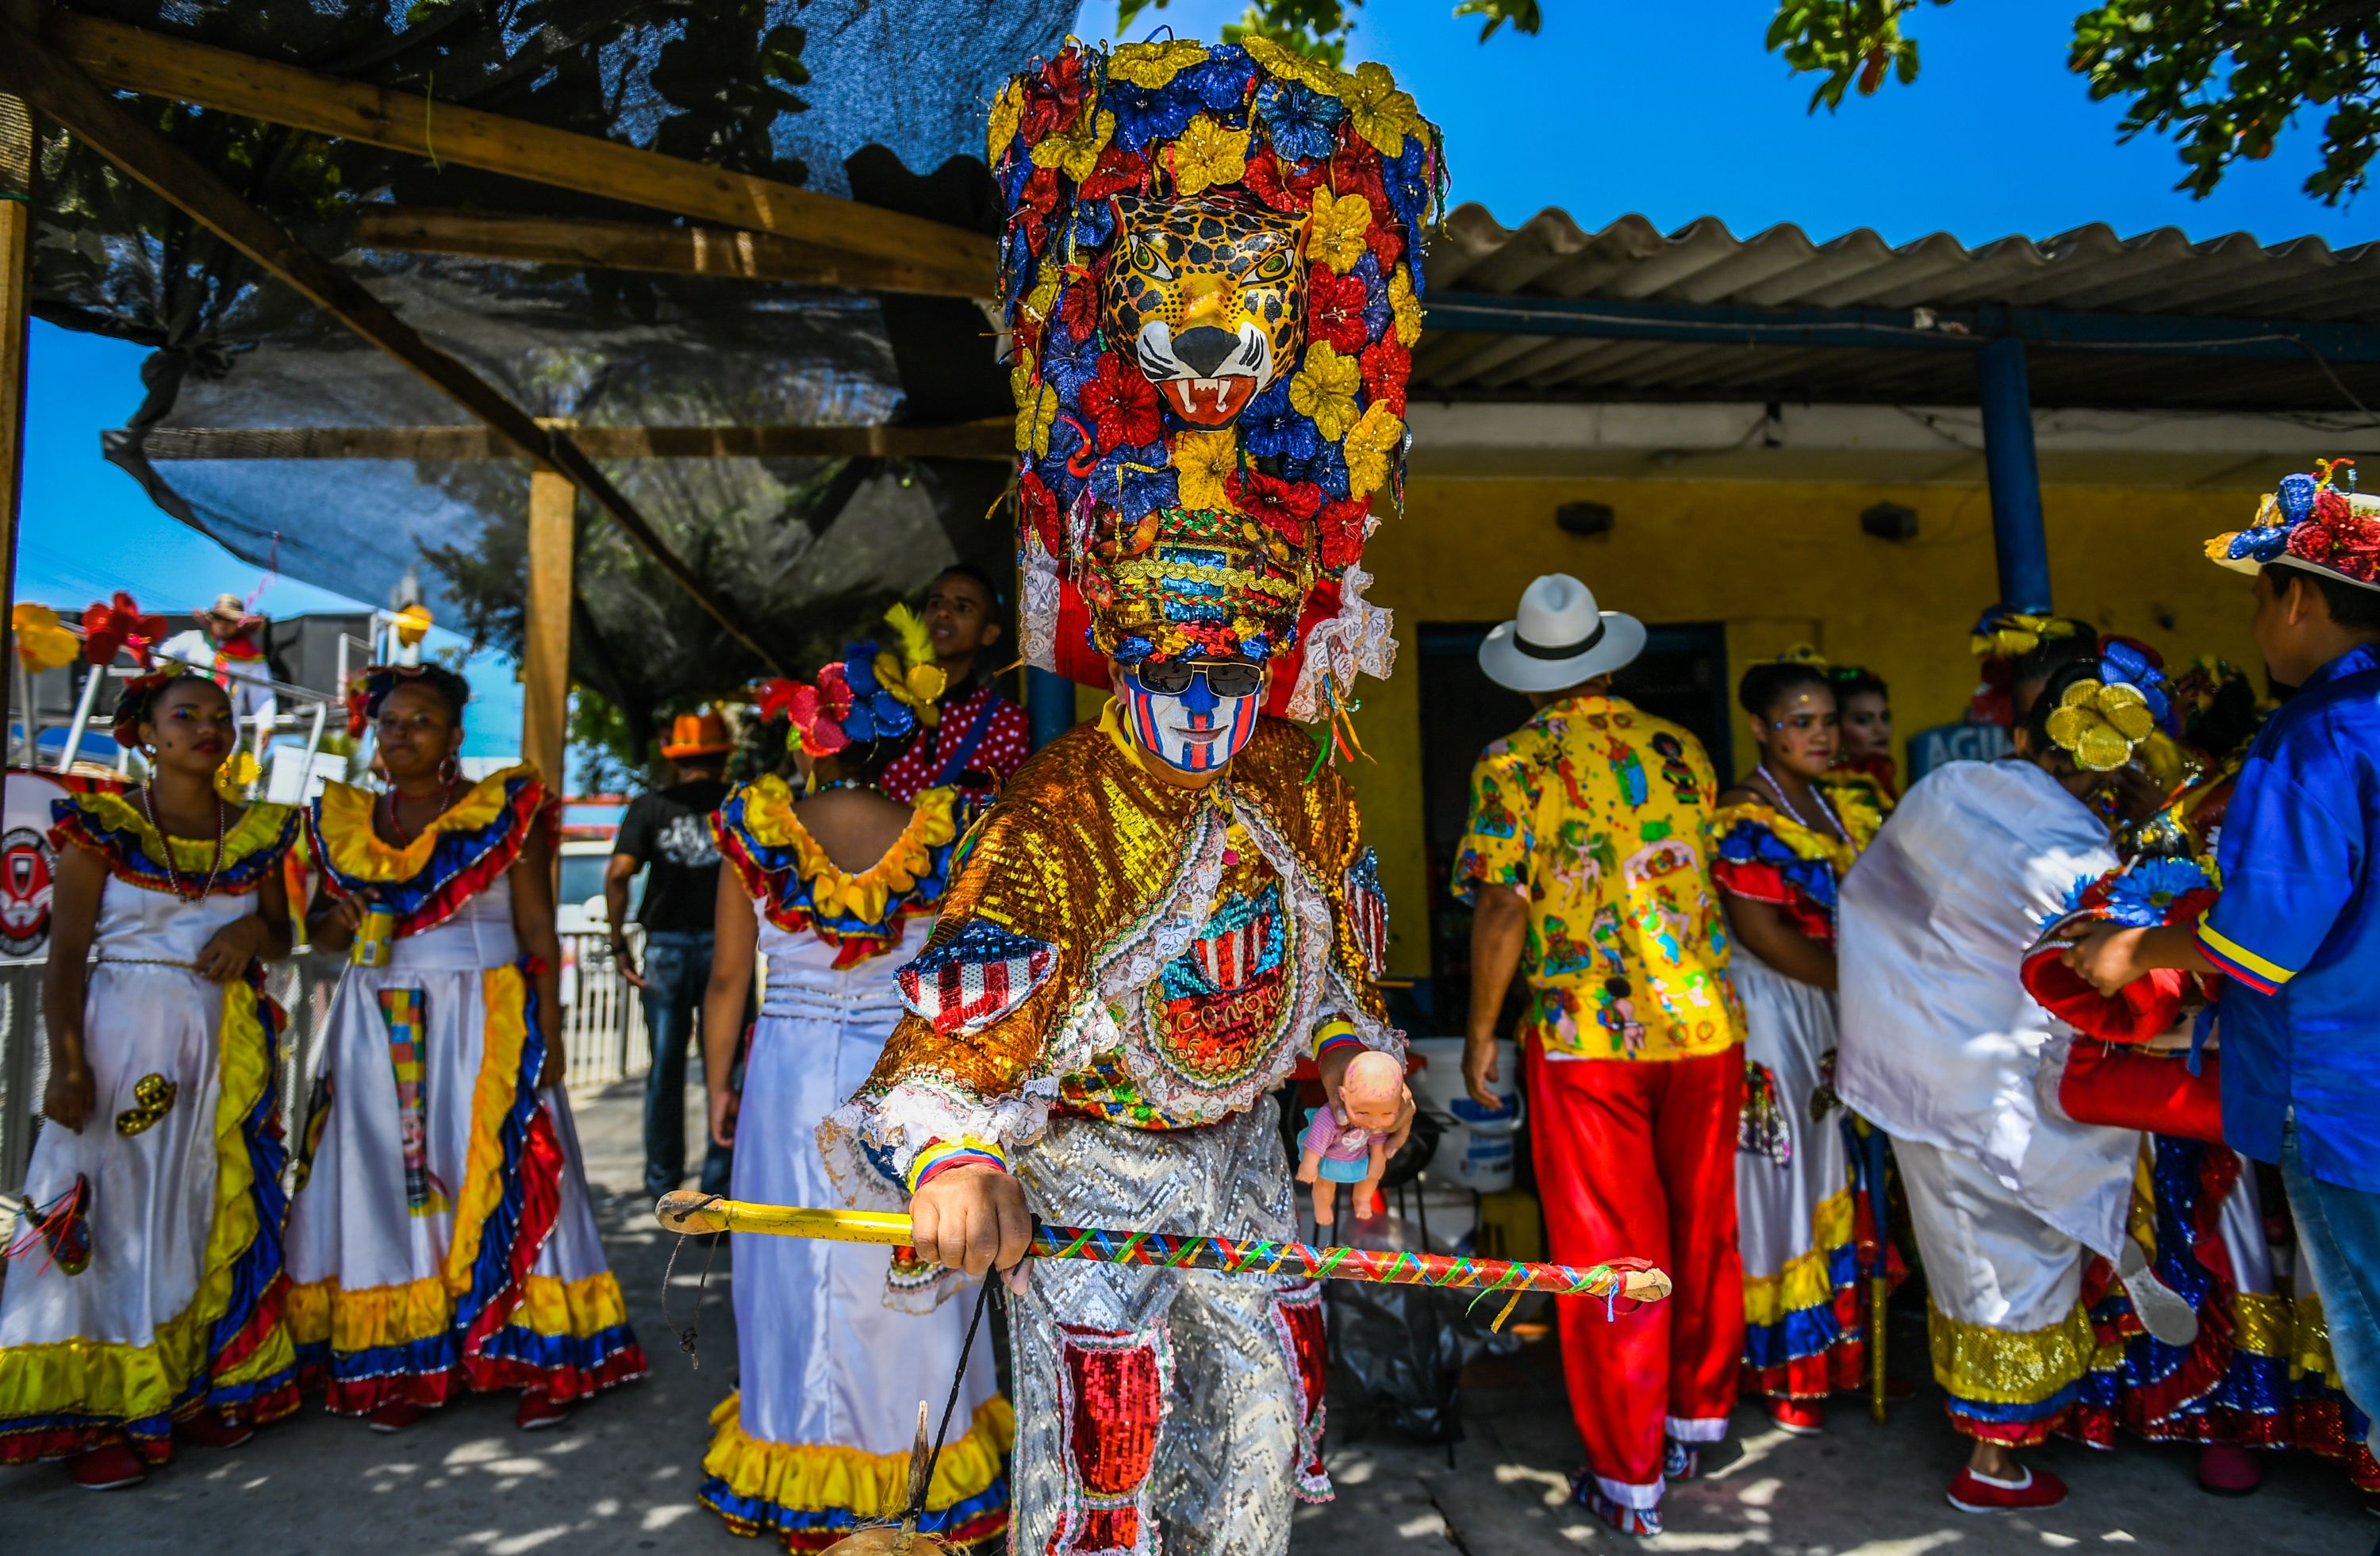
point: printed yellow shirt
(1603, 812)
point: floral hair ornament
(871, 693)
(133, 703)
(2098, 723)
(119, 627)
(2005, 632)
(2314, 521)
(1808, 654)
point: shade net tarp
(845, 97)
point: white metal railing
(602, 1026)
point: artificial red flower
(1356, 169)
(1123, 406)
(1116, 171)
(1284, 506)
(1078, 310)
(1053, 97)
(1040, 505)
(1334, 310)
(1386, 245)
(1387, 364)
(1288, 190)
(120, 626)
(1340, 530)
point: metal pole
(82, 716)
(2020, 543)
(1048, 705)
(16, 282)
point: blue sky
(1613, 108)
(1674, 111)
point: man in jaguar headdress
(1210, 271)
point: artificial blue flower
(1132, 650)
(1094, 223)
(1272, 428)
(2266, 543)
(1066, 441)
(1299, 121)
(1221, 83)
(2143, 897)
(1068, 363)
(2122, 664)
(1326, 467)
(1134, 480)
(1148, 113)
(2296, 497)
(1377, 314)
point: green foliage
(2224, 76)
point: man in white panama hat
(1588, 847)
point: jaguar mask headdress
(1211, 276)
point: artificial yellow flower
(1325, 389)
(1372, 442)
(1208, 155)
(1294, 67)
(1204, 461)
(2100, 725)
(916, 685)
(41, 643)
(1335, 236)
(1153, 65)
(237, 775)
(1404, 305)
(1007, 114)
(1379, 111)
(1075, 152)
(1021, 377)
(1035, 417)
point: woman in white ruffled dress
(145, 1305)
(837, 1343)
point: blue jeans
(677, 970)
(2338, 1231)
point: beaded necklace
(173, 876)
(1799, 820)
(445, 803)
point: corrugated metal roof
(2088, 270)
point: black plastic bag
(1401, 1352)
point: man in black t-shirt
(667, 833)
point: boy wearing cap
(1588, 849)
(2296, 932)
(667, 833)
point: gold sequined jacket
(1114, 946)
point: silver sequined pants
(1163, 1411)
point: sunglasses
(1230, 677)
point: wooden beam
(16, 285)
(29, 68)
(990, 441)
(723, 252)
(545, 638)
(133, 60)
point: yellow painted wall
(1778, 562)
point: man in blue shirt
(2296, 928)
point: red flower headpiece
(132, 705)
(120, 626)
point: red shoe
(1642, 1522)
(1803, 1417)
(396, 1416)
(537, 1410)
(1971, 1492)
(208, 1430)
(108, 1468)
(2226, 1471)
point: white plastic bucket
(1474, 1151)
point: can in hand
(374, 937)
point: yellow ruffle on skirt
(824, 1477)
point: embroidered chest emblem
(1217, 1008)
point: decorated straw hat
(1211, 277)
(2315, 521)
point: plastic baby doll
(1356, 1151)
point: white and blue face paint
(1177, 713)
